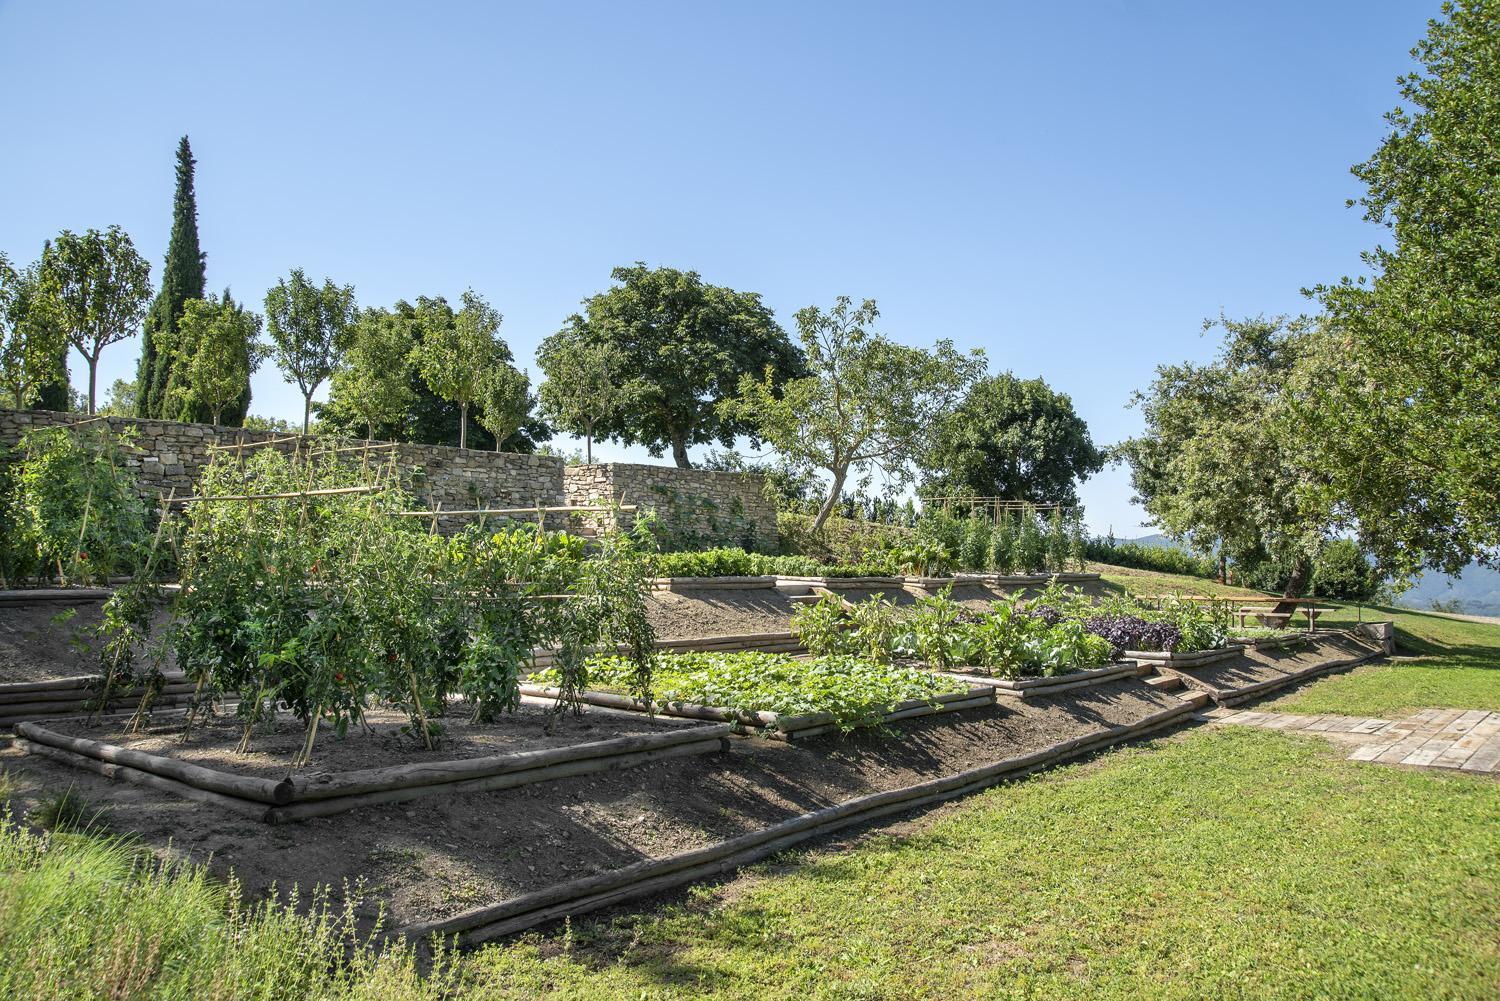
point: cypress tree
(182, 279)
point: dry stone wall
(170, 455)
(694, 508)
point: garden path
(1467, 740)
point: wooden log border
(1035, 688)
(775, 725)
(1161, 658)
(580, 896)
(1235, 696)
(24, 596)
(300, 797)
(763, 583)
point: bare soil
(690, 614)
(1255, 666)
(43, 640)
(440, 855)
(382, 741)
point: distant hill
(1476, 590)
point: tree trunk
(1298, 581)
(306, 413)
(588, 445)
(834, 492)
(679, 452)
(1223, 568)
(93, 379)
(463, 425)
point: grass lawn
(1442, 663)
(1215, 864)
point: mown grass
(1225, 863)
(1442, 663)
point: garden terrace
(1254, 671)
(452, 858)
(380, 762)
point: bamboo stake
(513, 511)
(291, 495)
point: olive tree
(867, 403)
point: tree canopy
(868, 403)
(583, 385)
(309, 327)
(458, 350)
(97, 287)
(1220, 466)
(1013, 438)
(1408, 426)
(32, 344)
(684, 346)
(505, 401)
(373, 381)
(217, 345)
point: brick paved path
(1434, 738)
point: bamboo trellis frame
(994, 507)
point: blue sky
(1072, 188)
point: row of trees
(1377, 418)
(660, 359)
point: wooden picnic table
(1307, 606)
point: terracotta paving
(1466, 740)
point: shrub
(1161, 559)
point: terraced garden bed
(380, 762)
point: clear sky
(1072, 187)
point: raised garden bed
(1184, 660)
(1260, 672)
(24, 596)
(32, 700)
(1035, 688)
(531, 746)
(784, 642)
(652, 876)
(780, 726)
(713, 583)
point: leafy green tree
(1407, 427)
(182, 279)
(1013, 438)
(121, 399)
(31, 340)
(429, 419)
(457, 352)
(505, 401)
(97, 287)
(374, 380)
(1218, 466)
(868, 404)
(309, 327)
(218, 347)
(684, 346)
(583, 385)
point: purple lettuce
(1128, 632)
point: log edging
(776, 725)
(297, 797)
(1033, 688)
(1163, 658)
(642, 879)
